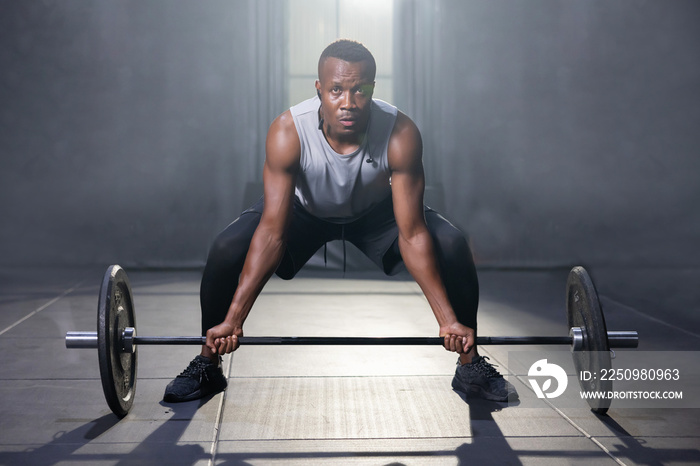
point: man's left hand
(458, 338)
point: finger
(228, 345)
(210, 343)
(453, 343)
(450, 344)
(222, 345)
(212, 346)
(469, 343)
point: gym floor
(312, 405)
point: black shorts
(375, 234)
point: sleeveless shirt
(336, 187)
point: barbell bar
(129, 339)
(117, 342)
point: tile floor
(311, 405)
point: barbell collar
(81, 340)
(576, 335)
(128, 340)
(623, 338)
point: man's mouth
(347, 122)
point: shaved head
(349, 51)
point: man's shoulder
(384, 107)
(404, 127)
(283, 125)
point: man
(340, 166)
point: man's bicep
(407, 194)
(280, 169)
(407, 177)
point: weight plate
(115, 311)
(584, 311)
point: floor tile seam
(592, 438)
(43, 307)
(348, 439)
(570, 421)
(234, 377)
(213, 449)
(340, 293)
(402, 439)
(649, 316)
(391, 376)
(630, 436)
(102, 442)
(140, 292)
(55, 379)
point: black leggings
(375, 234)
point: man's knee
(234, 241)
(451, 243)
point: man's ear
(318, 88)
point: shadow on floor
(634, 450)
(160, 447)
(488, 445)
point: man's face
(346, 94)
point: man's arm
(267, 246)
(415, 242)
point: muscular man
(340, 166)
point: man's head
(351, 52)
(346, 72)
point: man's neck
(344, 144)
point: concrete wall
(128, 129)
(567, 132)
(561, 132)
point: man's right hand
(223, 338)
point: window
(313, 24)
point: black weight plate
(584, 310)
(115, 311)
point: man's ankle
(466, 358)
(213, 357)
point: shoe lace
(482, 366)
(196, 370)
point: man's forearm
(264, 255)
(418, 254)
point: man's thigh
(305, 236)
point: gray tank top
(340, 188)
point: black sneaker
(481, 379)
(201, 378)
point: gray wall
(562, 131)
(559, 132)
(129, 129)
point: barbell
(117, 342)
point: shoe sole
(191, 397)
(478, 391)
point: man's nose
(348, 100)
